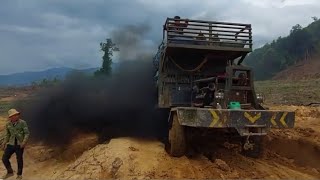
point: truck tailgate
(215, 118)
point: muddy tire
(176, 145)
(257, 150)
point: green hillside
(285, 51)
(299, 92)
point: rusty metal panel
(186, 31)
(205, 47)
(272, 119)
(198, 117)
(211, 22)
(214, 118)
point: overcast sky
(41, 34)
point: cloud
(269, 18)
(298, 2)
(40, 34)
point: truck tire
(176, 145)
(257, 150)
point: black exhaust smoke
(121, 105)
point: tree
(295, 28)
(286, 51)
(315, 18)
(108, 48)
(44, 82)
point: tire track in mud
(297, 148)
(147, 159)
(143, 159)
(302, 152)
(280, 159)
(289, 154)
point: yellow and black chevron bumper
(214, 118)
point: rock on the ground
(222, 165)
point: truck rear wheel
(176, 145)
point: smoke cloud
(121, 105)
(132, 42)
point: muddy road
(289, 154)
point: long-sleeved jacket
(20, 131)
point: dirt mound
(289, 154)
(136, 158)
(298, 147)
(303, 70)
(81, 143)
(309, 112)
(44, 162)
(301, 146)
(129, 158)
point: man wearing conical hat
(17, 135)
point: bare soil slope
(289, 154)
(303, 70)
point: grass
(5, 106)
(300, 92)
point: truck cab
(200, 51)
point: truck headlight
(260, 98)
(219, 95)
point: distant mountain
(26, 78)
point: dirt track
(290, 154)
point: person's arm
(26, 134)
(186, 23)
(7, 136)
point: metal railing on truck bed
(207, 34)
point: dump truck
(201, 80)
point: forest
(300, 44)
